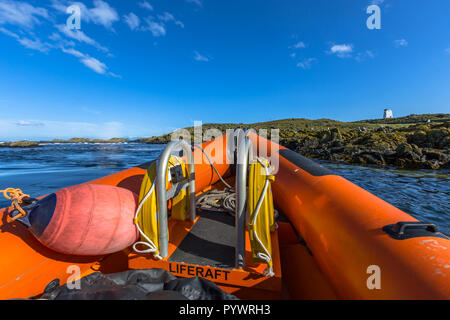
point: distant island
(87, 140)
(34, 144)
(414, 142)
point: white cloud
(146, 5)
(342, 50)
(361, 56)
(9, 33)
(196, 2)
(376, 2)
(80, 36)
(370, 54)
(132, 20)
(199, 57)
(21, 13)
(102, 13)
(56, 37)
(115, 75)
(43, 129)
(64, 44)
(179, 23)
(401, 43)
(73, 52)
(61, 5)
(167, 17)
(306, 64)
(90, 62)
(299, 45)
(346, 51)
(36, 44)
(23, 123)
(94, 65)
(156, 28)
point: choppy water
(424, 194)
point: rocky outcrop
(19, 144)
(414, 147)
(418, 146)
(33, 144)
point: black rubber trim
(304, 163)
(412, 229)
(282, 217)
(42, 214)
(145, 165)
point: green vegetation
(112, 140)
(415, 141)
(19, 144)
(293, 127)
(34, 144)
(86, 140)
(411, 119)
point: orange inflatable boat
(257, 219)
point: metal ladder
(241, 147)
(162, 194)
(244, 150)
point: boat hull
(332, 240)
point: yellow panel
(148, 216)
(260, 227)
(180, 203)
(180, 206)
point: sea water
(425, 194)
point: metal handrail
(161, 171)
(233, 143)
(244, 155)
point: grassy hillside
(290, 127)
(415, 141)
(411, 119)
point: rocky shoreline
(412, 142)
(414, 147)
(36, 144)
(20, 144)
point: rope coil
(218, 200)
(17, 198)
(151, 246)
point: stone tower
(388, 114)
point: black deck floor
(210, 243)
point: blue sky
(142, 68)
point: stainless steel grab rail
(244, 155)
(161, 171)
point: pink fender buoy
(86, 219)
